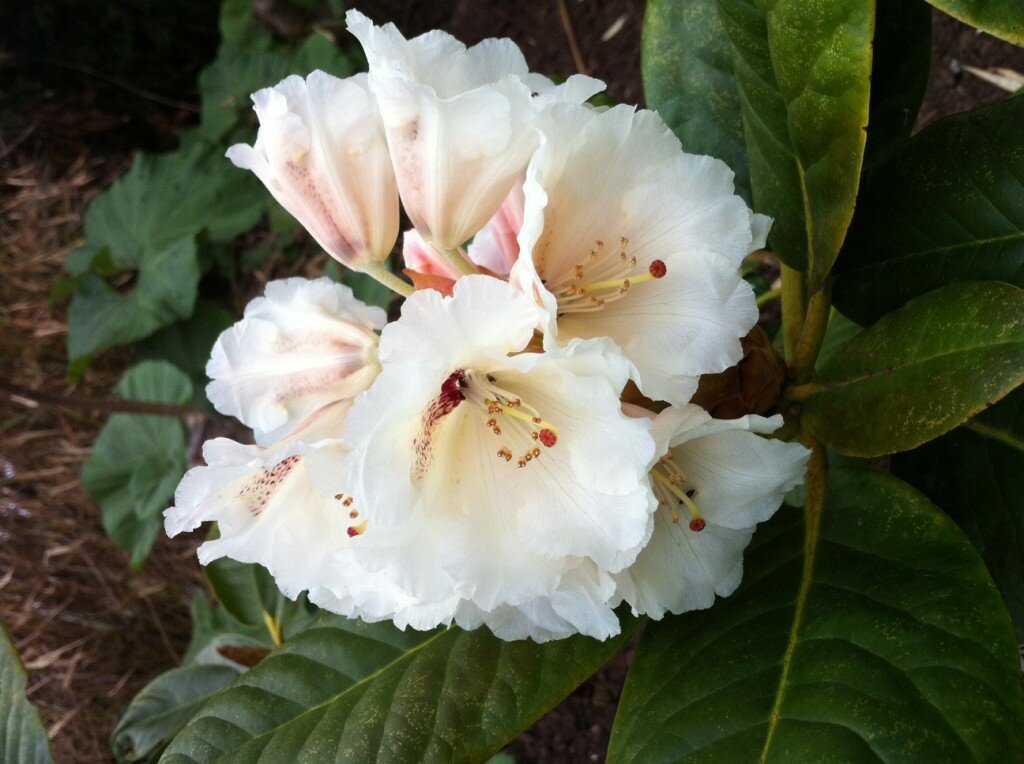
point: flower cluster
(474, 462)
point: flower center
(602, 277)
(520, 425)
(670, 488)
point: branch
(19, 394)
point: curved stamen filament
(512, 411)
(674, 487)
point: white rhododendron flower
(499, 472)
(266, 503)
(474, 463)
(322, 153)
(303, 344)
(715, 481)
(460, 122)
(625, 236)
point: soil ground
(91, 630)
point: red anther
(697, 524)
(548, 437)
(353, 532)
(658, 269)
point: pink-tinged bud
(303, 345)
(321, 151)
(461, 122)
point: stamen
(611, 277)
(512, 409)
(673, 483)
(356, 530)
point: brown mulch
(90, 630)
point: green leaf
(1002, 18)
(248, 592)
(688, 78)
(889, 643)
(22, 737)
(242, 69)
(900, 67)
(145, 227)
(839, 331)
(100, 316)
(947, 207)
(976, 475)
(187, 344)
(803, 69)
(920, 371)
(137, 460)
(222, 648)
(166, 704)
(347, 691)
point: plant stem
(570, 34)
(106, 405)
(808, 344)
(794, 305)
(377, 271)
(767, 297)
(458, 261)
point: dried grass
(90, 630)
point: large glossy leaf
(976, 474)
(22, 737)
(889, 643)
(222, 648)
(920, 371)
(688, 78)
(803, 69)
(948, 206)
(345, 691)
(1003, 18)
(137, 460)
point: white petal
(301, 346)
(267, 509)
(682, 570)
(321, 151)
(444, 502)
(460, 122)
(608, 194)
(736, 479)
(449, 332)
(578, 606)
(739, 477)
